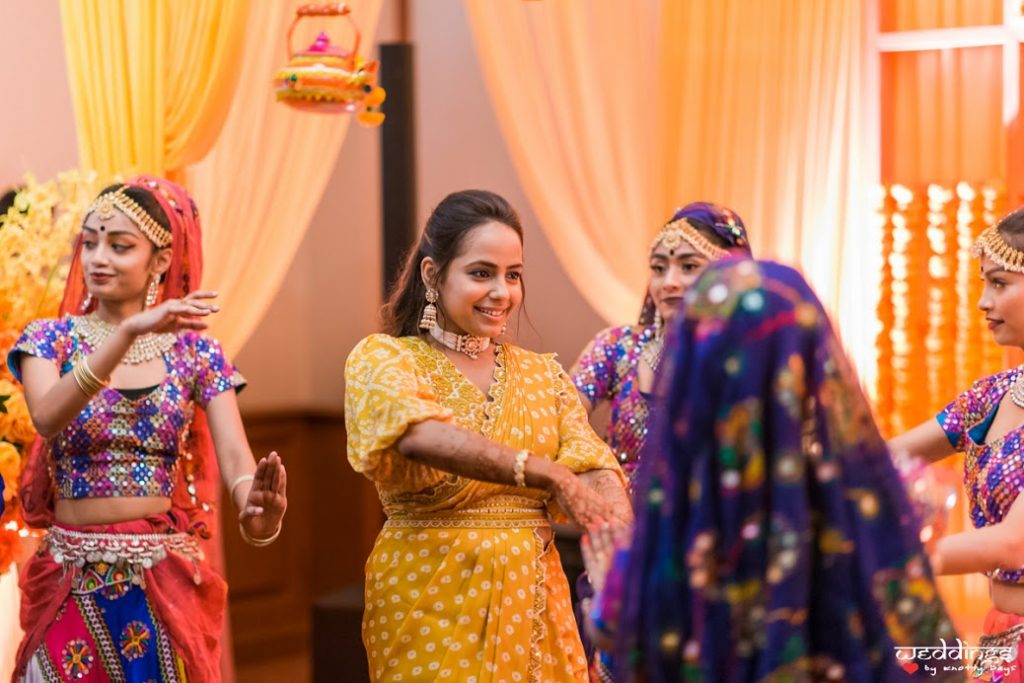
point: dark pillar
(398, 157)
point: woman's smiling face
(483, 285)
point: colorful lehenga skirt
(133, 601)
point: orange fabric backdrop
(614, 116)
(941, 123)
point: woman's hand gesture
(583, 505)
(174, 315)
(265, 505)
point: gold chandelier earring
(86, 302)
(429, 318)
(153, 292)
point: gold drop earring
(152, 293)
(429, 318)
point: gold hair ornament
(106, 203)
(992, 244)
(675, 233)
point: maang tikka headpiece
(118, 199)
(673, 235)
(723, 222)
(991, 243)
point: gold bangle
(87, 371)
(82, 383)
(519, 470)
(86, 379)
(259, 542)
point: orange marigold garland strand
(884, 384)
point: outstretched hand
(266, 503)
(174, 315)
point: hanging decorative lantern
(328, 78)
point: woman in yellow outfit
(471, 445)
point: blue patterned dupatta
(774, 539)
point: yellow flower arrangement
(36, 237)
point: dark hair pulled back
(449, 224)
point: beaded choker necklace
(94, 331)
(462, 343)
(1017, 392)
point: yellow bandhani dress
(460, 586)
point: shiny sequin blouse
(122, 447)
(607, 369)
(993, 468)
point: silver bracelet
(519, 470)
(259, 542)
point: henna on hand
(608, 485)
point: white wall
(330, 297)
(37, 125)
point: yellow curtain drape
(260, 184)
(151, 82)
(615, 116)
(183, 90)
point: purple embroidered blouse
(118, 446)
(607, 369)
(993, 468)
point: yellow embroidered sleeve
(579, 447)
(384, 394)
